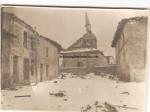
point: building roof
(84, 50)
(53, 42)
(79, 50)
(87, 21)
(32, 29)
(82, 39)
(121, 26)
(20, 21)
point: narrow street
(75, 92)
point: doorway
(15, 69)
(26, 69)
(41, 72)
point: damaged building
(26, 56)
(130, 45)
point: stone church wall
(96, 70)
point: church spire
(87, 23)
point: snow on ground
(77, 92)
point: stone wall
(96, 70)
(84, 59)
(5, 59)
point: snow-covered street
(73, 93)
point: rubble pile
(58, 94)
(99, 107)
(66, 76)
(87, 76)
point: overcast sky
(66, 25)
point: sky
(66, 25)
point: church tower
(88, 40)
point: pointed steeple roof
(87, 22)
(88, 40)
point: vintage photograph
(73, 59)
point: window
(32, 67)
(41, 72)
(47, 67)
(17, 32)
(46, 51)
(25, 39)
(33, 44)
(79, 64)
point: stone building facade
(22, 49)
(48, 59)
(130, 43)
(5, 58)
(83, 53)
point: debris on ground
(109, 76)
(125, 93)
(89, 76)
(65, 99)
(12, 89)
(126, 107)
(110, 108)
(55, 82)
(58, 94)
(102, 74)
(66, 75)
(62, 76)
(82, 77)
(70, 75)
(77, 92)
(99, 107)
(23, 96)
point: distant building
(130, 43)
(83, 53)
(26, 56)
(110, 60)
(83, 58)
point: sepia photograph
(73, 59)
